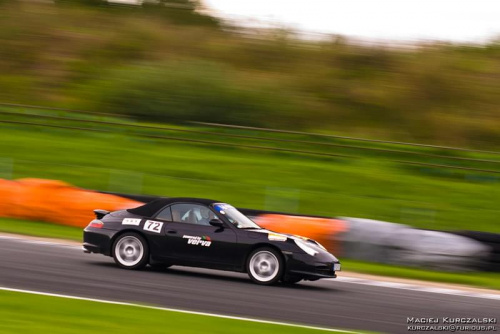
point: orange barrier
(61, 203)
(55, 201)
(323, 230)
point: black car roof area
(149, 209)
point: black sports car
(205, 233)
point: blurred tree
(90, 3)
(168, 61)
(180, 11)
(190, 90)
(177, 11)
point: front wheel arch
(265, 265)
(262, 245)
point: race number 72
(153, 226)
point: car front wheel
(131, 251)
(265, 266)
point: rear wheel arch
(130, 250)
(119, 233)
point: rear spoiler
(101, 213)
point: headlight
(305, 247)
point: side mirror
(216, 223)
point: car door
(190, 239)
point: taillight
(96, 224)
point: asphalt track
(67, 270)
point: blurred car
(440, 250)
(391, 243)
(205, 233)
(371, 240)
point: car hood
(280, 236)
(271, 234)
(275, 236)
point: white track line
(177, 310)
(343, 279)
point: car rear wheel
(265, 266)
(131, 251)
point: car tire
(130, 251)
(265, 266)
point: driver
(205, 216)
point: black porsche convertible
(205, 233)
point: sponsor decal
(204, 241)
(131, 221)
(153, 226)
(276, 237)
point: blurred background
(386, 113)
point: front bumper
(311, 267)
(97, 240)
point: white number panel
(153, 226)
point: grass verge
(28, 313)
(480, 279)
(370, 186)
(40, 229)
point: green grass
(370, 186)
(27, 313)
(40, 229)
(480, 279)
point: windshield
(234, 216)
